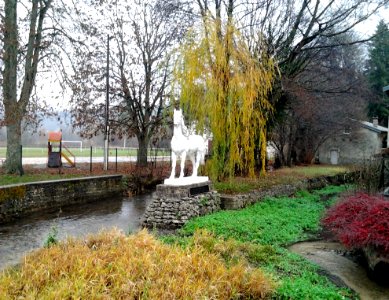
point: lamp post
(385, 89)
(106, 131)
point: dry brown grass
(114, 266)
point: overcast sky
(366, 29)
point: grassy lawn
(262, 232)
(276, 177)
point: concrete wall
(21, 199)
(352, 148)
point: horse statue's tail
(202, 159)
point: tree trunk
(13, 163)
(11, 107)
(143, 143)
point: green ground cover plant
(266, 229)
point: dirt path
(326, 255)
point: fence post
(21, 171)
(90, 160)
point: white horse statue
(184, 144)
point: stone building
(359, 141)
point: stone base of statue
(178, 200)
(183, 181)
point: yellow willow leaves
(111, 265)
(225, 88)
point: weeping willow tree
(225, 87)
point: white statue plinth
(185, 180)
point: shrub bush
(359, 221)
(369, 175)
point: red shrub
(360, 220)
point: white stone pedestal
(186, 180)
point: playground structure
(56, 151)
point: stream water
(328, 256)
(19, 237)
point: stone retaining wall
(173, 206)
(21, 199)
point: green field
(96, 152)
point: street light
(106, 131)
(385, 89)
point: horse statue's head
(178, 121)
(177, 117)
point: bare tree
(144, 35)
(32, 34)
(15, 106)
(322, 100)
(297, 31)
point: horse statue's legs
(174, 161)
(192, 158)
(183, 157)
(199, 158)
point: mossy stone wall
(173, 206)
(21, 199)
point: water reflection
(29, 233)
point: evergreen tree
(378, 71)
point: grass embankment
(264, 230)
(162, 170)
(277, 177)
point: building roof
(372, 127)
(386, 90)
